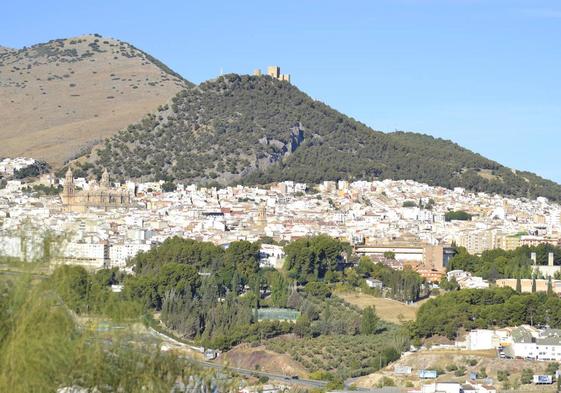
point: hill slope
(58, 97)
(3, 50)
(257, 130)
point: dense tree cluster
(212, 294)
(459, 215)
(238, 128)
(498, 263)
(404, 285)
(33, 170)
(89, 293)
(315, 258)
(483, 309)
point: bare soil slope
(246, 357)
(62, 96)
(440, 359)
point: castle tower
(273, 71)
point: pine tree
(549, 287)
(534, 284)
(518, 285)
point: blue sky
(484, 73)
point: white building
(271, 256)
(9, 165)
(27, 249)
(483, 339)
(120, 254)
(92, 256)
(532, 343)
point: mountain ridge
(255, 129)
(61, 97)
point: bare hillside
(63, 96)
(3, 50)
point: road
(253, 373)
(248, 373)
(19, 273)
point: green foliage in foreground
(483, 309)
(42, 349)
(89, 293)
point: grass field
(387, 309)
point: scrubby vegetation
(36, 169)
(403, 285)
(344, 356)
(457, 215)
(212, 295)
(498, 263)
(257, 130)
(43, 349)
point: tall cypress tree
(369, 321)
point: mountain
(4, 49)
(256, 129)
(66, 95)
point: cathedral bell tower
(69, 190)
(105, 183)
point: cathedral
(100, 195)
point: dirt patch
(259, 358)
(441, 359)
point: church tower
(69, 187)
(69, 190)
(105, 183)
(261, 216)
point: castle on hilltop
(274, 72)
(101, 195)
